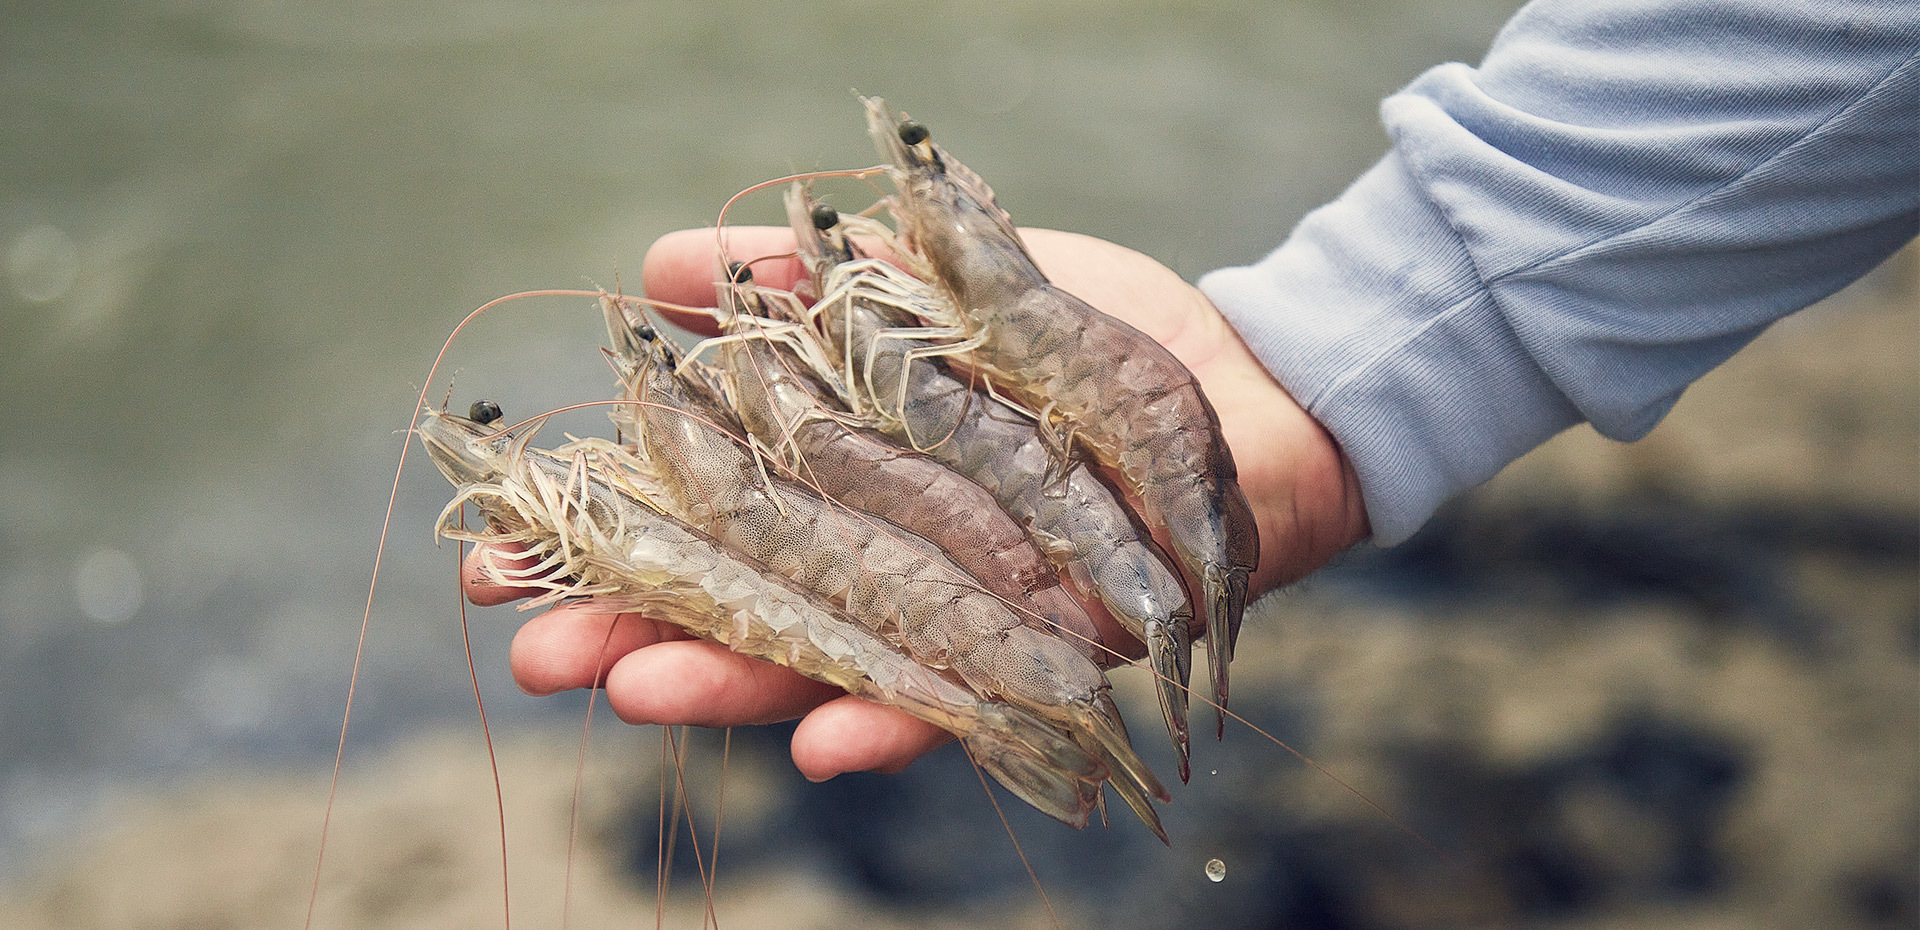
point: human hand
(1305, 499)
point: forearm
(1619, 198)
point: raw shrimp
(1090, 376)
(592, 531)
(782, 402)
(863, 563)
(1076, 519)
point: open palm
(1304, 496)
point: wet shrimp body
(864, 564)
(1075, 518)
(1101, 383)
(784, 405)
(1084, 437)
(579, 513)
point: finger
(574, 646)
(480, 588)
(702, 684)
(849, 734)
(681, 267)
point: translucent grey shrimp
(1094, 378)
(1076, 519)
(862, 563)
(591, 531)
(782, 401)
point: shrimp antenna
(379, 559)
(720, 222)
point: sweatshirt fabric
(1618, 198)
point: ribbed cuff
(1375, 319)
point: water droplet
(1216, 870)
(42, 263)
(1214, 772)
(107, 586)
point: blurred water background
(235, 233)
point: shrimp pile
(895, 480)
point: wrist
(1304, 492)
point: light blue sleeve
(1622, 195)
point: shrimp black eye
(484, 412)
(739, 273)
(644, 331)
(913, 133)
(825, 217)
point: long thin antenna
(499, 794)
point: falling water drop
(1216, 870)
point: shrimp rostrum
(590, 528)
(1095, 381)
